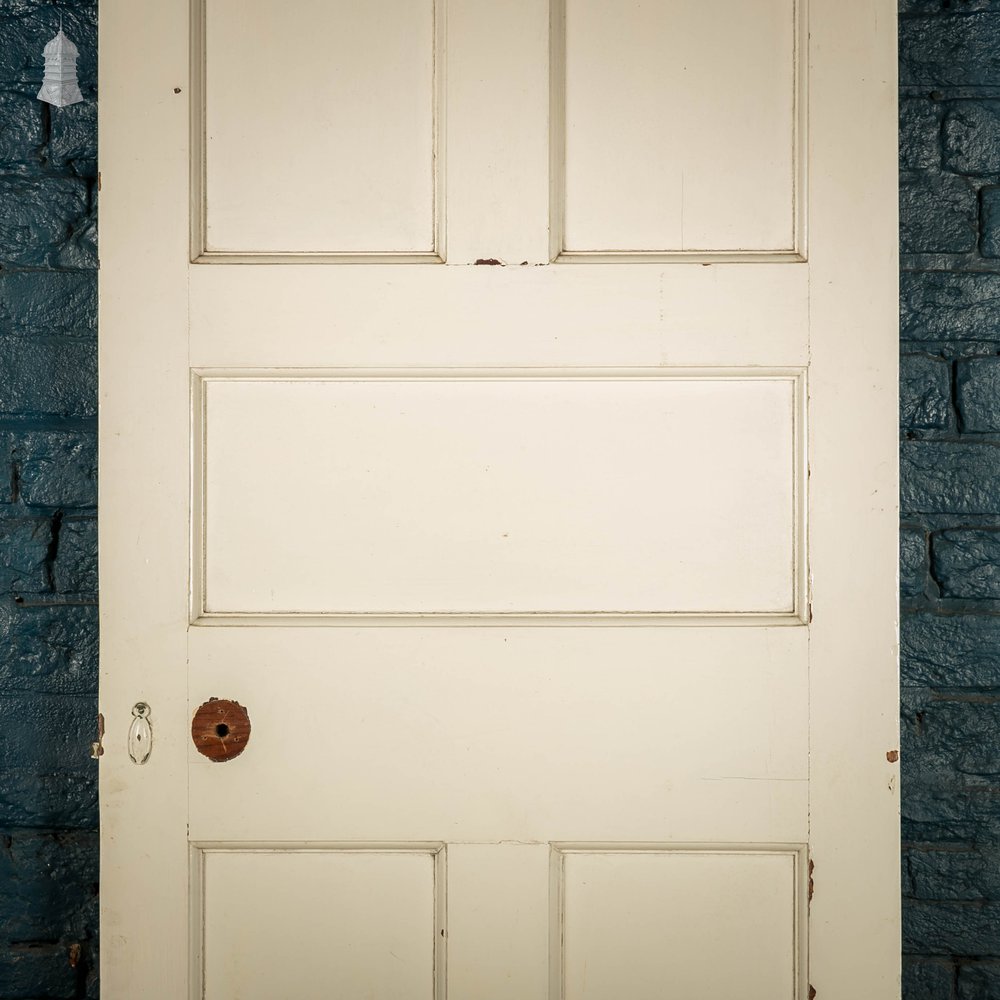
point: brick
(945, 928)
(48, 303)
(50, 884)
(989, 222)
(919, 134)
(24, 549)
(80, 249)
(952, 874)
(966, 563)
(37, 216)
(56, 468)
(938, 213)
(924, 392)
(74, 134)
(33, 970)
(940, 812)
(913, 565)
(950, 51)
(949, 477)
(75, 568)
(979, 981)
(940, 305)
(950, 651)
(49, 649)
(957, 742)
(927, 979)
(971, 138)
(21, 134)
(49, 778)
(977, 390)
(55, 376)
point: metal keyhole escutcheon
(220, 729)
(140, 734)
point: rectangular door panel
(282, 921)
(318, 128)
(681, 126)
(499, 494)
(709, 922)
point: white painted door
(498, 403)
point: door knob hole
(222, 729)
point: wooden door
(498, 403)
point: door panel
(478, 423)
(681, 130)
(319, 129)
(632, 495)
(651, 918)
(346, 922)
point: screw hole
(222, 729)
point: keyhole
(222, 730)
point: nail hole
(222, 729)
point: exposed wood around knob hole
(220, 729)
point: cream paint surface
(283, 108)
(656, 920)
(425, 495)
(680, 125)
(489, 778)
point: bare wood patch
(220, 729)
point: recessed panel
(695, 925)
(318, 924)
(680, 126)
(500, 495)
(319, 123)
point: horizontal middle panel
(423, 494)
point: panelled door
(498, 499)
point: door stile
(853, 502)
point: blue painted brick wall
(950, 467)
(48, 568)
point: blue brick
(80, 250)
(989, 224)
(924, 392)
(950, 873)
(977, 387)
(48, 648)
(913, 565)
(52, 376)
(949, 477)
(940, 305)
(48, 303)
(938, 213)
(957, 742)
(966, 563)
(950, 651)
(49, 778)
(941, 812)
(979, 981)
(37, 216)
(21, 133)
(950, 51)
(945, 928)
(24, 548)
(32, 970)
(971, 135)
(75, 567)
(74, 134)
(927, 979)
(50, 883)
(56, 468)
(919, 134)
